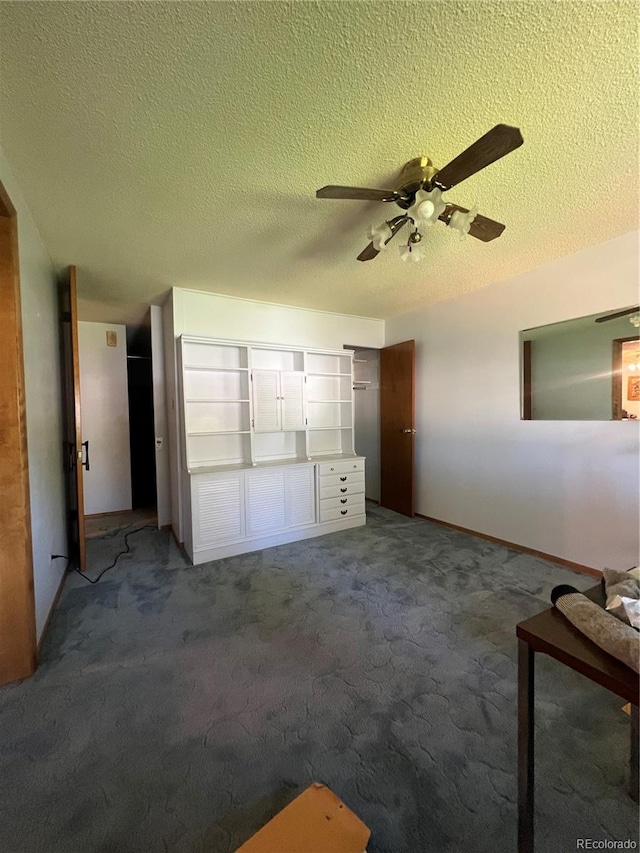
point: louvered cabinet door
(266, 403)
(265, 502)
(218, 509)
(301, 501)
(292, 400)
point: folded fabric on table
(620, 640)
(623, 594)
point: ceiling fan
(634, 310)
(418, 192)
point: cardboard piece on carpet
(315, 822)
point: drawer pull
(344, 511)
(332, 469)
(343, 490)
(343, 479)
(343, 500)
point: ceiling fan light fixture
(427, 207)
(380, 235)
(461, 222)
(415, 249)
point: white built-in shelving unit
(250, 412)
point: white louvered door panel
(301, 503)
(218, 509)
(266, 405)
(292, 399)
(265, 501)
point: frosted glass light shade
(461, 222)
(413, 251)
(427, 207)
(379, 235)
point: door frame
(74, 461)
(18, 647)
(617, 377)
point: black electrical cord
(127, 549)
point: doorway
(384, 422)
(141, 419)
(625, 383)
(366, 416)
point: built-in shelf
(248, 404)
(213, 368)
(214, 400)
(220, 432)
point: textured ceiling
(181, 144)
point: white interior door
(105, 417)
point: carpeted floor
(177, 708)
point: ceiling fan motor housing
(414, 175)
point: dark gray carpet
(178, 708)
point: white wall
(193, 312)
(163, 486)
(105, 417)
(40, 338)
(568, 488)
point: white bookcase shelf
(254, 404)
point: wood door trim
(18, 655)
(75, 355)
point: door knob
(409, 431)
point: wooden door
(17, 612)
(397, 427)
(74, 452)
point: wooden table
(551, 633)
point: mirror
(587, 369)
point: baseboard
(54, 604)
(105, 514)
(569, 564)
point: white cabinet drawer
(340, 489)
(340, 512)
(342, 479)
(340, 467)
(351, 502)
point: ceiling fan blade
(618, 314)
(369, 253)
(362, 193)
(500, 140)
(482, 228)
